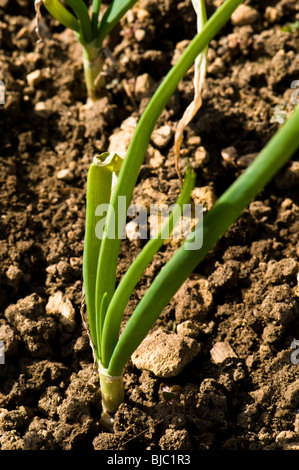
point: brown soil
(243, 296)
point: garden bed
(240, 307)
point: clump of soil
(239, 309)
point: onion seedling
(90, 32)
(105, 303)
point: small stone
(201, 156)
(204, 195)
(165, 354)
(287, 203)
(33, 78)
(187, 328)
(162, 136)
(194, 141)
(65, 174)
(222, 351)
(133, 230)
(142, 14)
(139, 34)
(245, 14)
(42, 109)
(64, 270)
(245, 160)
(62, 308)
(229, 155)
(51, 269)
(120, 140)
(14, 275)
(271, 14)
(157, 159)
(179, 49)
(144, 86)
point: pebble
(142, 14)
(14, 275)
(245, 14)
(65, 174)
(222, 351)
(229, 155)
(162, 136)
(42, 109)
(139, 34)
(179, 49)
(35, 77)
(245, 160)
(133, 230)
(120, 140)
(271, 14)
(144, 86)
(188, 328)
(205, 196)
(156, 160)
(201, 156)
(62, 307)
(165, 354)
(194, 141)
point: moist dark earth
(240, 306)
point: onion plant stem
(93, 61)
(98, 192)
(225, 211)
(108, 257)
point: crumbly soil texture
(237, 315)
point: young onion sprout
(90, 31)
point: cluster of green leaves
(87, 26)
(90, 31)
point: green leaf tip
(110, 160)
